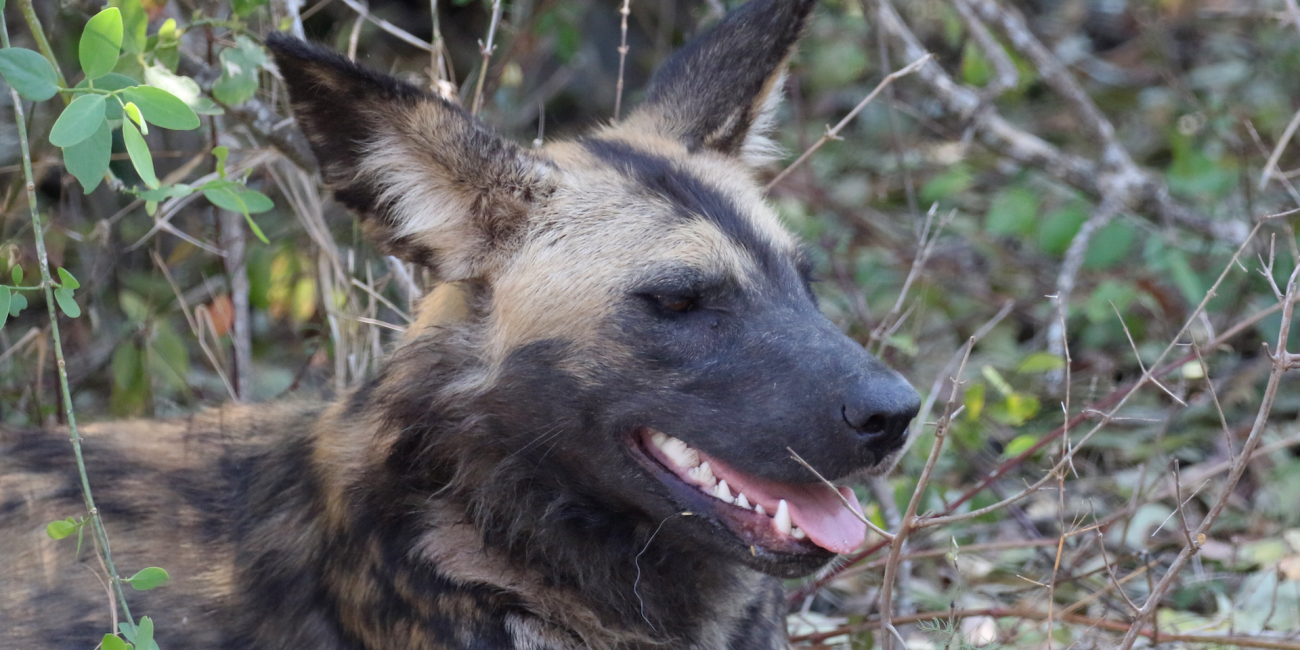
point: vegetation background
(1072, 228)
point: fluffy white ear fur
(759, 149)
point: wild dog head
(642, 330)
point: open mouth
(784, 518)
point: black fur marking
(714, 81)
(689, 195)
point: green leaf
(135, 22)
(4, 305)
(88, 160)
(144, 634)
(149, 578)
(126, 367)
(1099, 307)
(169, 359)
(132, 111)
(255, 201)
(1019, 445)
(1041, 362)
(257, 232)
(1060, 226)
(79, 121)
(238, 82)
(29, 73)
(135, 308)
(244, 7)
(63, 296)
(1013, 212)
(138, 150)
(162, 108)
(165, 192)
(1109, 246)
(101, 43)
(224, 198)
(955, 180)
(17, 274)
(221, 152)
(17, 304)
(61, 528)
(67, 280)
(975, 67)
(110, 82)
(113, 642)
(183, 88)
(974, 401)
(1184, 277)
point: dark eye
(676, 304)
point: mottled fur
(486, 489)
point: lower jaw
(745, 535)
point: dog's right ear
(430, 183)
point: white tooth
(681, 455)
(658, 438)
(723, 492)
(703, 475)
(797, 533)
(758, 507)
(742, 501)
(781, 520)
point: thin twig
(406, 36)
(832, 133)
(47, 282)
(622, 59)
(878, 530)
(485, 49)
(909, 515)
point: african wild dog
(581, 444)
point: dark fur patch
(745, 50)
(691, 197)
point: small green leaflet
(63, 296)
(232, 196)
(79, 121)
(17, 304)
(61, 528)
(29, 73)
(101, 43)
(138, 150)
(88, 160)
(183, 88)
(149, 578)
(17, 274)
(238, 82)
(67, 280)
(4, 305)
(141, 635)
(135, 22)
(113, 642)
(162, 108)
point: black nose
(880, 410)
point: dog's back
(171, 493)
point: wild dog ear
(722, 89)
(430, 183)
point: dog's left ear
(721, 91)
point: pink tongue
(822, 515)
(814, 507)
